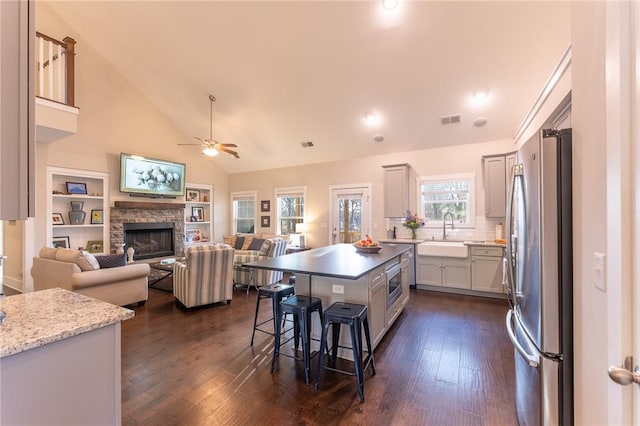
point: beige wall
(115, 117)
(318, 177)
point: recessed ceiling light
(390, 4)
(371, 118)
(378, 137)
(480, 98)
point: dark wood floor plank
(446, 361)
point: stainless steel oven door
(394, 285)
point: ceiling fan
(211, 147)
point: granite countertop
(41, 317)
(338, 261)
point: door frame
(366, 213)
(623, 198)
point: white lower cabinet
(486, 269)
(443, 272)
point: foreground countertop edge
(38, 318)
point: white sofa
(76, 271)
(257, 249)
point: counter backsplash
(485, 230)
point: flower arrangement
(156, 175)
(413, 222)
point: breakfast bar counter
(339, 273)
(60, 359)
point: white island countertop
(42, 317)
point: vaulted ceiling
(287, 72)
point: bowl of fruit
(367, 245)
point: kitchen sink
(443, 249)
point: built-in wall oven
(394, 283)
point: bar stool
(277, 293)
(355, 316)
(301, 307)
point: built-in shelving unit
(198, 213)
(95, 226)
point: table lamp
(301, 228)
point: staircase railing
(55, 69)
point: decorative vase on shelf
(77, 215)
(413, 234)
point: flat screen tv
(150, 176)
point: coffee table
(166, 271)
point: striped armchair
(272, 247)
(205, 277)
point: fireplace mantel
(147, 205)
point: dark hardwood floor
(446, 361)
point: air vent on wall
(451, 119)
(307, 144)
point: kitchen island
(60, 359)
(339, 273)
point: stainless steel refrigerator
(538, 264)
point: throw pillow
(265, 247)
(112, 260)
(47, 253)
(85, 260)
(239, 243)
(247, 243)
(229, 239)
(256, 244)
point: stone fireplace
(149, 217)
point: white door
(350, 212)
(623, 205)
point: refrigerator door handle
(511, 239)
(532, 360)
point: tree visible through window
(290, 210)
(448, 194)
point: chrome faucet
(444, 224)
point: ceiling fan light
(210, 152)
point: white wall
(318, 177)
(590, 222)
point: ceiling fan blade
(228, 151)
(228, 145)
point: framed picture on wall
(95, 246)
(265, 221)
(265, 206)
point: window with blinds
(244, 212)
(289, 209)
